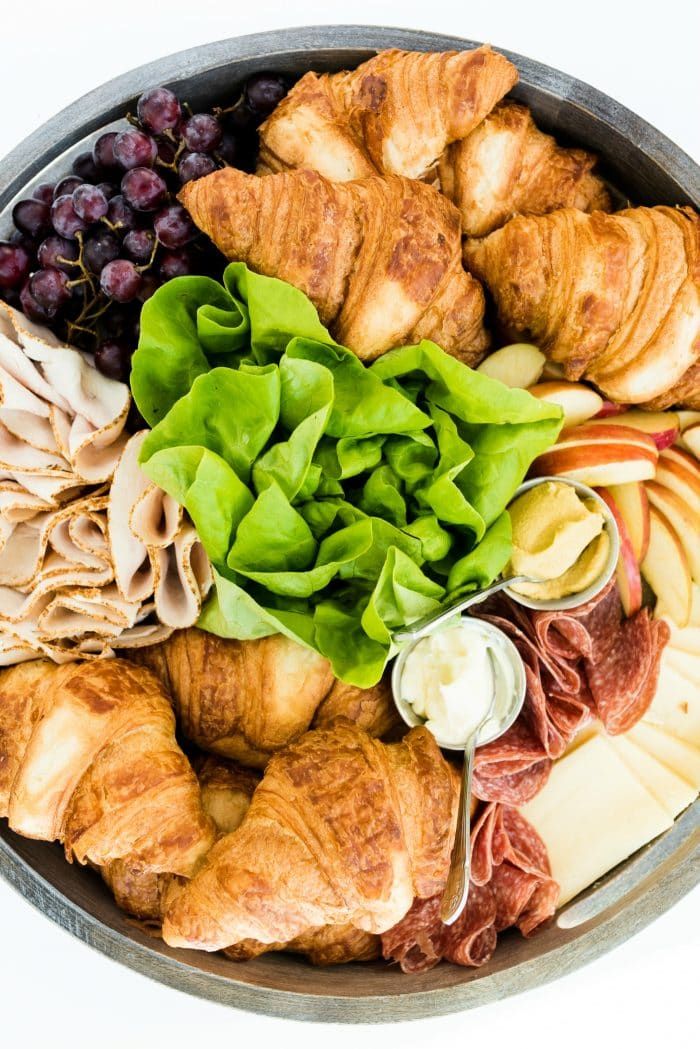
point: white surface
(56, 992)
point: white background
(54, 990)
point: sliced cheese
(685, 663)
(671, 791)
(676, 705)
(686, 638)
(676, 754)
(592, 814)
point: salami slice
(511, 885)
(623, 681)
(420, 940)
(512, 769)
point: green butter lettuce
(337, 502)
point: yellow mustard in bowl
(559, 538)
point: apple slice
(578, 402)
(518, 365)
(666, 569)
(598, 454)
(633, 505)
(629, 580)
(609, 408)
(682, 517)
(663, 427)
(680, 472)
(686, 420)
(691, 439)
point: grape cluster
(88, 251)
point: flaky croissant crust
(394, 114)
(379, 257)
(343, 829)
(508, 167)
(88, 757)
(613, 298)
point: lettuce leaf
(337, 502)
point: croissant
(380, 258)
(613, 298)
(88, 757)
(394, 114)
(226, 790)
(342, 830)
(508, 167)
(372, 709)
(241, 699)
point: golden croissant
(342, 830)
(226, 790)
(394, 114)
(372, 709)
(88, 758)
(508, 167)
(241, 699)
(380, 258)
(613, 298)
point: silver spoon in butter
(454, 898)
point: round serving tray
(642, 164)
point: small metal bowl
(564, 604)
(507, 654)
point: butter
(448, 680)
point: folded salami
(511, 886)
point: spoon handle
(424, 626)
(457, 887)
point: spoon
(430, 622)
(454, 898)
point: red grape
(14, 265)
(228, 150)
(66, 186)
(120, 214)
(120, 280)
(44, 192)
(263, 92)
(50, 288)
(32, 217)
(158, 110)
(113, 359)
(32, 309)
(59, 253)
(103, 151)
(139, 244)
(175, 264)
(195, 165)
(108, 188)
(85, 168)
(99, 249)
(149, 285)
(173, 226)
(143, 189)
(135, 149)
(241, 118)
(90, 203)
(202, 133)
(65, 219)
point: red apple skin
(627, 574)
(635, 517)
(612, 433)
(609, 408)
(561, 460)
